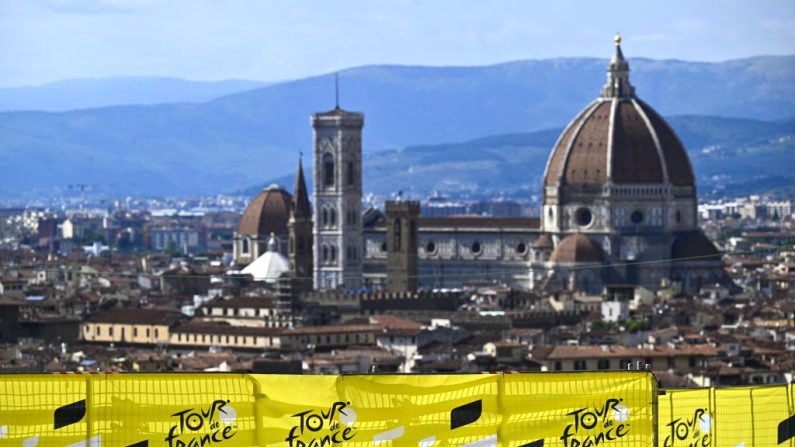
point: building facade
(338, 199)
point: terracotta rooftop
(614, 351)
(577, 248)
(200, 327)
(136, 316)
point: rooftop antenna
(337, 90)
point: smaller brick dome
(577, 248)
(267, 213)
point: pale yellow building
(326, 337)
(218, 334)
(134, 326)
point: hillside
(76, 94)
(729, 155)
(245, 138)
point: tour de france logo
(322, 428)
(592, 426)
(199, 427)
(689, 431)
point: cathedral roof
(618, 138)
(267, 213)
(693, 244)
(544, 241)
(577, 248)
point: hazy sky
(47, 40)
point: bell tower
(337, 197)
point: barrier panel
(180, 410)
(731, 417)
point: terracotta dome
(544, 242)
(577, 248)
(618, 138)
(267, 213)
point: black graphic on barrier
(538, 443)
(465, 414)
(140, 444)
(591, 426)
(690, 431)
(191, 428)
(70, 414)
(317, 428)
(786, 429)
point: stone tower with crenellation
(401, 243)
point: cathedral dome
(620, 139)
(577, 248)
(267, 213)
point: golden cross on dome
(617, 39)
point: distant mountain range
(729, 155)
(76, 94)
(243, 139)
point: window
(325, 253)
(396, 235)
(521, 248)
(324, 217)
(603, 364)
(135, 332)
(332, 217)
(245, 245)
(147, 332)
(157, 333)
(678, 217)
(476, 248)
(584, 217)
(97, 330)
(383, 246)
(558, 366)
(579, 365)
(110, 331)
(430, 247)
(350, 173)
(636, 217)
(328, 170)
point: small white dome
(270, 265)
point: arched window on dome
(328, 170)
(245, 247)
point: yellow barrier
(731, 417)
(194, 410)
